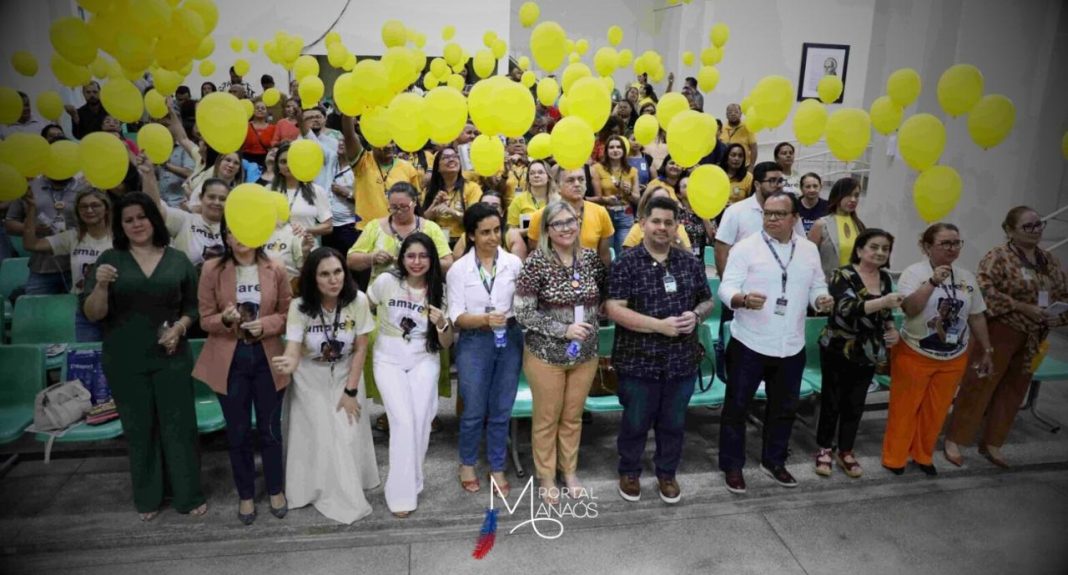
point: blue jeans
(659, 404)
(622, 222)
(85, 330)
(57, 283)
(488, 378)
(251, 386)
(782, 382)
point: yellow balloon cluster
(708, 191)
(252, 212)
(936, 192)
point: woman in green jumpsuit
(145, 296)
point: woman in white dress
(412, 331)
(330, 458)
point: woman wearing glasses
(540, 190)
(330, 458)
(449, 194)
(412, 330)
(836, 232)
(557, 297)
(942, 306)
(1019, 281)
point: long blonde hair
(552, 193)
(83, 228)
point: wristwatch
(351, 392)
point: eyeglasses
(91, 207)
(775, 181)
(951, 244)
(561, 225)
(776, 215)
(1033, 227)
(394, 209)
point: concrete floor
(75, 514)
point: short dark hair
(266, 79)
(473, 215)
(780, 146)
(691, 81)
(160, 237)
(311, 301)
(865, 237)
(760, 171)
(794, 207)
(183, 89)
(928, 236)
(44, 130)
(661, 203)
(801, 182)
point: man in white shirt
(770, 280)
(746, 217)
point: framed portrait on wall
(819, 60)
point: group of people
(392, 268)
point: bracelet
(989, 350)
(183, 327)
(351, 392)
(745, 301)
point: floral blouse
(851, 332)
(545, 302)
(695, 229)
(1005, 277)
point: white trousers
(407, 379)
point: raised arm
(353, 146)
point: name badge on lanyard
(780, 306)
(1028, 275)
(1043, 298)
(781, 302)
(669, 282)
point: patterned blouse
(1006, 277)
(545, 304)
(851, 332)
(695, 229)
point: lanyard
(574, 268)
(1039, 260)
(332, 335)
(487, 279)
(396, 234)
(951, 291)
(385, 174)
(793, 246)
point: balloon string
(332, 25)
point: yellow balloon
(830, 89)
(625, 57)
(399, 68)
(305, 160)
(406, 112)
(711, 56)
(50, 105)
(487, 155)
(305, 66)
(345, 97)
(253, 45)
(156, 142)
(337, 54)
(209, 14)
(206, 68)
(104, 160)
(669, 106)
(687, 58)
(372, 82)
(690, 137)
(350, 63)
(28, 153)
(589, 101)
(605, 60)
(528, 14)
(572, 142)
(646, 129)
(615, 35)
(753, 120)
(311, 90)
(514, 109)
(10, 106)
(574, 58)
(68, 74)
(499, 48)
(707, 78)
(574, 72)
(248, 107)
(448, 32)
(540, 146)
(991, 120)
(236, 44)
(960, 88)
(936, 192)
(561, 105)
(903, 86)
(719, 34)
(488, 38)
(809, 122)
(548, 91)
(886, 115)
(456, 82)
(241, 66)
(524, 63)
(167, 82)
(252, 213)
(394, 33)
(12, 185)
(155, 104)
(528, 79)
(582, 46)
(708, 191)
(921, 140)
(222, 123)
(281, 204)
(72, 40)
(122, 100)
(24, 63)
(64, 160)
(271, 96)
(848, 133)
(773, 96)
(206, 47)
(375, 127)
(332, 37)
(547, 45)
(484, 64)
(444, 114)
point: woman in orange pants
(943, 306)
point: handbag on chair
(61, 405)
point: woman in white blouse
(309, 204)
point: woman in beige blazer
(244, 298)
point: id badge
(580, 314)
(953, 336)
(780, 306)
(1043, 298)
(1028, 275)
(669, 284)
(524, 221)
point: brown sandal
(851, 467)
(504, 488)
(470, 485)
(823, 462)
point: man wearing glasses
(771, 278)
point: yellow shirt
(517, 183)
(371, 184)
(636, 235)
(847, 237)
(741, 190)
(375, 238)
(610, 181)
(739, 135)
(522, 208)
(454, 226)
(596, 225)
